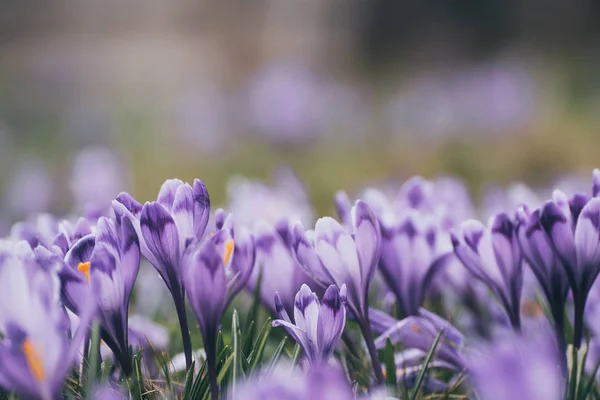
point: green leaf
(93, 359)
(591, 383)
(259, 346)
(237, 352)
(189, 381)
(573, 378)
(201, 385)
(225, 368)
(295, 355)
(276, 355)
(252, 318)
(423, 371)
(390, 365)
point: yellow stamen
(85, 269)
(212, 235)
(33, 361)
(228, 251)
(415, 329)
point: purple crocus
(550, 274)
(573, 227)
(165, 229)
(213, 272)
(333, 255)
(492, 255)
(35, 354)
(277, 266)
(413, 251)
(107, 265)
(419, 332)
(317, 327)
(517, 367)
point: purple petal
(242, 264)
(557, 227)
(343, 207)
(166, 194)
(130, 254)
(124, 199)
(183, 214)
(206, 285)
(306, 312)
(161, 236)
(332, 319)
(587, 242)
(201, 208)
(596, 182)
(367, 236)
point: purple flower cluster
(393, 271)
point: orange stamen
(33, 360)
(84, 268)
(228, 251)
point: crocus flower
(517, 367)
(413, 251)
(333, 255)
(419, 332)
(106, 264)
(573, 227)
(318, 383)
(35, 354)
(550, 274)
(165, 229)
(317, 327)
(277, 266)
(492, 255)
(214, 271)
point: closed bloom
(214, 271)
(277, 266)
(107, 265)
(517, 367)
(492, 255)
(550, 274)
(35, 352)
(413, 251)
(317, 327)
(573, 227)
(165, 229)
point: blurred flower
(30, 190)
(105, 264)
(492, 254)
(319, 383)
(96, 178)
(516, 367)
(277, 266)
(412, 253)
(165, 229)
(573, 227)
(37, 231)
(213, 272)
(420, 332)
(35, 354)
(317, 327)
(252, 201)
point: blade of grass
(277, 354)
(423, 371)
(259, 346)
(93, 359)
(189, 381)
(591, 382)
(295, 356)
(237, 352)
(390, 366)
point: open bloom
(277, 266)
(35, 354)
(105, 264)
(413, 251)
(317, 327)
(573, 227)
(165, 229)
(214, 271)
(492, 255)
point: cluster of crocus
(377, 282)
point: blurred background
(100, 97)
